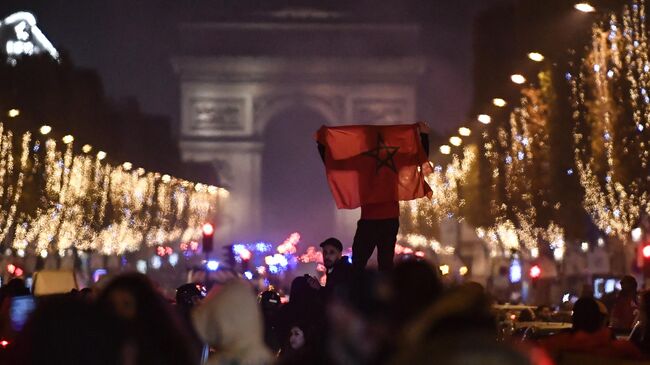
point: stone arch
(266, 107)
(227, 104)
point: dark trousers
(371, 233)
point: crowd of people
(402, 316)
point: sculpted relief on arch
(332, 107)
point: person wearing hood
(229, 320)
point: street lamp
(456, 141)
(484, 118)
(464, 131)
(536, 56)
(445, 149)
(584, 7)
(499, 102)
(127, 166)
(87, 148)
(518, 79)
(101, 155)
(13, 113)
(45, 129)
(67, 139)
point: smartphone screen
(21, 308)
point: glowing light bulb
(499, 102)
(584, 7)
(45, 129)
(12, 113)
(456, 141)
(484, 118)
(101, 155)
(464, 131)
(463, 270)
(444, 269)
(536, 56)
(127, 166)
(518, 79)
(445, 150)
(166, 178)
(67, 139)
(87, 148)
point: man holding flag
(375, 167)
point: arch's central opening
(295, 195)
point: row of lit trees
(52, 198)
(541, 174)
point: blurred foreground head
(66, 329)
(150, 326)
(587, 315)
(459, 329)
(414, 286)
(359, 320)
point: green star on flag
(383, 154)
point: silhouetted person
(640, 335)
(415, 285)
(458, 328)
(588, 335)
(270, 305)
(624, 310)
(379, 224)
(526, 315)
(189, 296)
(66, 329)
(14, 288)
(305, 306)
(544, 313)
(152, 331)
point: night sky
(130, 44)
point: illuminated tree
(519, 161)
(53, 199)
(420, 218)
(612, 121)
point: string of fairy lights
(611, 110)
(612, 118)
(525, 140)
(52, 199)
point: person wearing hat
(338, 267)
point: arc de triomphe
(232, 90)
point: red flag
(368, 164)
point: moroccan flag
(369, 164)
